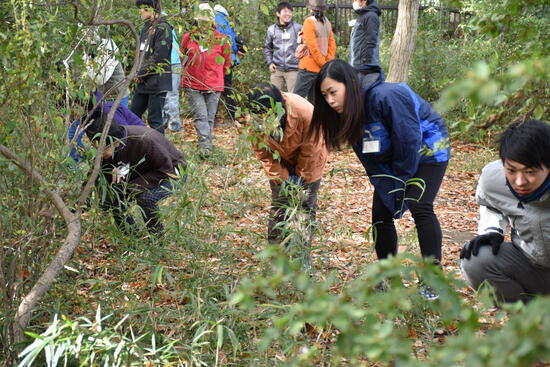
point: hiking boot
(428, 293)
(205, 153)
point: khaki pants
(280, 78)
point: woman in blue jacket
(400, 140)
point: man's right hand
(272, 68)
(492, 239)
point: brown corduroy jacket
(298, 152)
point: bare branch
(72, 220)
(138, 60)
(64, 253)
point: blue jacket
(410, 133)
(224, 26)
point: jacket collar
(370, 76)
(535, 195)
(372, 7)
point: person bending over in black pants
(400, 140)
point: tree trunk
(404, 39)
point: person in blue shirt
(223, 25)
(171, 109)
(400, 140)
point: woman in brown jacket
(319, 39)
(291, 160)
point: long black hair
(338, 129)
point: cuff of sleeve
(493, 230)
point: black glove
(492, 239)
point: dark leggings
(147, 200)
(427, 225)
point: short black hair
(284, 5)
(152, 3)
(263, 97)
(96, 124)
(526, 142)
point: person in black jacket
(140, 163)
(154, 78)
(364, 42)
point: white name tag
(352, 22)
(371, 145)
(285, 36)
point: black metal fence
(341, 12)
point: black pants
(278, 213)
(117, 198)
(305, 82)
(427, 225)
(153, 104)
(227, 95)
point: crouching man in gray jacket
(514, 192)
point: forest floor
(345, 200)
(216, 227)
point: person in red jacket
(206, 59)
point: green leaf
(538, 112)
(264, 9)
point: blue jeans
(171, 111)
(204, 105)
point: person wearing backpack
(279, 47)
(321, 48)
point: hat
(204, 12)
(91, 36)
(221, 9)
(315, 4)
